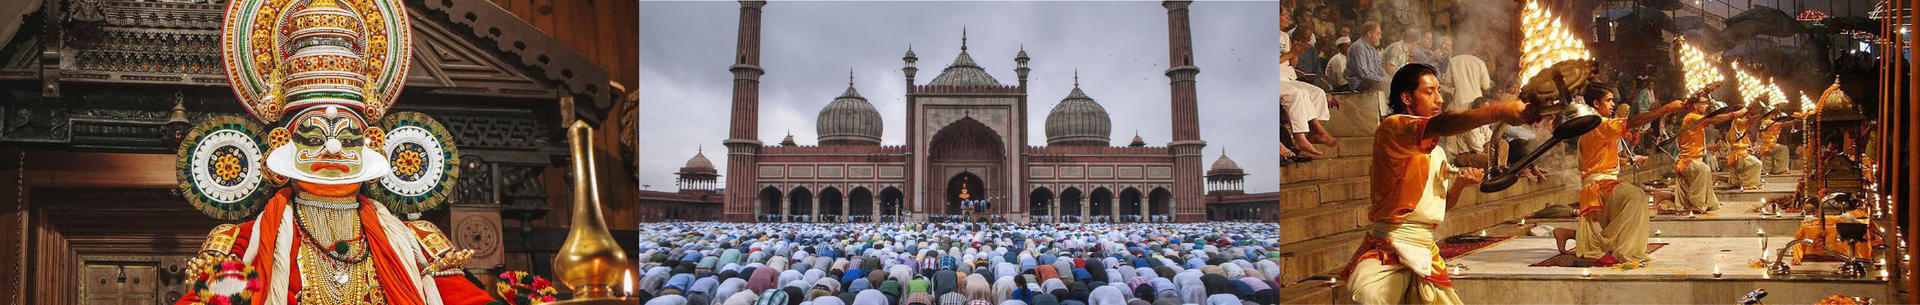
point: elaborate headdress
(318, 77)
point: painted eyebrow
(316, 122)
(340, 125)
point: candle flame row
(1806, 103)
(1693, 61)
(1546, 42)
(1750, 86)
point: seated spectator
(1306, 105)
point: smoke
(1486, 29)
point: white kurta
(1304, 102)
(1337, 70)
(1470, 80)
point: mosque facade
(966, 152)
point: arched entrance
(831, 205)
(800, 204)
(1041, 201)
(769, 208)
(1100, 203)
(1130, 205)
(963, 188)
(1070, 202)
(860, 205)
(1160, 205)
(891, 204)
(968, 157)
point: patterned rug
(1568, 260)
(1456, 247)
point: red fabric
(387, 264)
(456, 290)
(1377, 248)
(269, 219)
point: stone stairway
(1323, 210)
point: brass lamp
(590, 262)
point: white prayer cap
(1342, 40)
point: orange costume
(1409, 185)
(1694, 190)
(1771, 151)
(1613, 217)
(321, 74)
(1744, 168)
(413, 255)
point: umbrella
(1664, 5)
(1760, 20)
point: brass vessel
(590, 262)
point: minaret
(911, 67)
(744, 140)
(1186, 145)
(1020, 62)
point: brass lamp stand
(590, 262)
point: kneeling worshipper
(1694, 191)
(1614, 216)
(1412, 185)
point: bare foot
(1285, 153)
(1320, 135)
(1305, 147)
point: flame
(1806, 103)
(1750, 86)
(627, 282)
(1545, 42)
(1775, 97)
(1698, 72)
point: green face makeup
(328, 141)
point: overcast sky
(807, 48)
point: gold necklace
(328, 282)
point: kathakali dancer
(1398, 261)
(334, 169)
(1613, 215)
(1694, 192)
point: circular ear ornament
(279, 136)
(425, 163)
(221, 167)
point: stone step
(1574, 289)
(1681, 226)
(1763, 193)
(1733, 219)
(1682, 272)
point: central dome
(849, 120)
(1078, 120)
(963, 72)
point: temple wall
(1323, 203)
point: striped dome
(849, 120)
(1078, 120)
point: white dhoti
(1694, 190)
(1620, 227)
(1400, 264)
(1745, 172)
(1776, 159)
(1304, 103)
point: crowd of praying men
(713, 263)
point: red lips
(317, 166)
